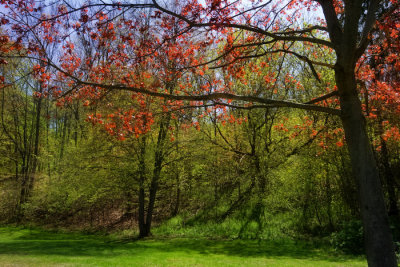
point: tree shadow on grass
(41, 243)
(254, 248)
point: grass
(35, 247)
(274, 228)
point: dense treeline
(261, 173)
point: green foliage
(177, 227)
(272, 227)
(350, 238)
(8, 199)
(78, 189)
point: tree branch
(249, 28)
(321, 98)
(270, 103)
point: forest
(215, 132)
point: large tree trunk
(378, 238)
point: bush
(350, 239)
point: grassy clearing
(33, 247)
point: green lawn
(32, 247)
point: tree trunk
(378, 238)
(142, 174)
(63, 136)
(328, 194)
(175, 210)
(158, 161)
(36, 144)
(387, 173)
(76, 128)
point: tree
(379, 83)
(260, 30)
(20, 122)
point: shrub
(350, 239)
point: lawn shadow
(38, 243)
(256, 248)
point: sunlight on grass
(31, 247)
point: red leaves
(69, 47)
(339, 144)
(229, 41)
(84, 18)
(41, 75)
(4, 39)
(101, 16)
(62, 9)
(281, 127)
(339, 6)
(149, 53)
(379, 70)
(4, 21)
(269, 78)
(392, 133)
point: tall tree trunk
(175, 210)
(23, 188)
(64, 135)
(25, 152)
(177, 203)
(328, 194)
(35, 144)
(47, 136)
(349, 39)
(142, 175)
(378, 238)
(159, 159)
(76, 114)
